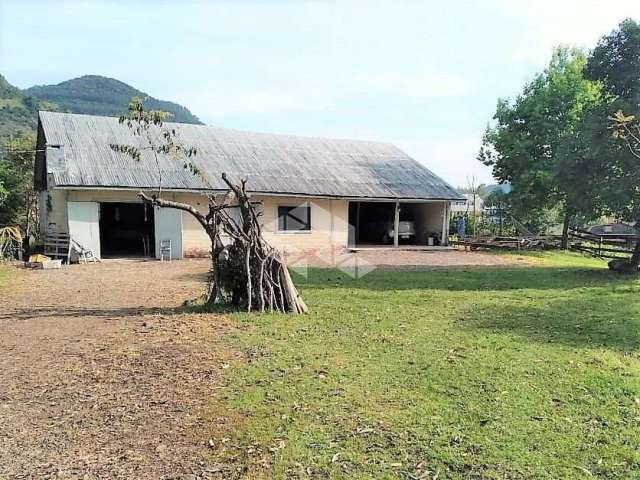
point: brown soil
(102, 376)
(96, 382)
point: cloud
(411, 72)
(296, 94)
(450, 156)
(227, 100)
(422, 85)
(548, 23)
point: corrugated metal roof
(278, 164)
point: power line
(9, 150)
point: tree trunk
(247, 271)
(565, 230)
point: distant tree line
(566, 142)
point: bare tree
(246, 272)
(627, 129)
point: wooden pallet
(57, 245)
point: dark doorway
(126, 230)
(371, 223)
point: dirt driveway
(97, 382)
(94, 383)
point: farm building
(315, 193)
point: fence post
(600, 247)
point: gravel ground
(382, 257)
(95, 382)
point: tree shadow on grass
(609, 320)
(35, 313)
(466, 279)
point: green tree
(616, 61)
(17, 197)
(524, 144)
(610, 136)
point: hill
(18, 111)
(97, 95)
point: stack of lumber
(532, 242)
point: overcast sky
(423, 75)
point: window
(293, 219)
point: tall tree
(17, 198)
(613, 136)
(523, 146)
(616, 61)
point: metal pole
(396, 225)
(445, 225)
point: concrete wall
(329, 225)
(329, 218)
(429, 218)
(53, 211)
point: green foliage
(523, 145)
(16, 180)
(616, 60)
(18, 112)
(139, 121)
(90, 94)
(4, 193)
(522, 372)
(603, 154)
(97, 95)
(627, 129)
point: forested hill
(90, 94)
(97, 95)
(18, 111)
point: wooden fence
(602, 246)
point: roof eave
(260, 192)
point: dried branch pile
(533, 242)
(246, 271)
(10, 243)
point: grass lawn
(527, 372)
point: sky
(424, 75)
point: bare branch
(159, 202)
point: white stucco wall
(329, 224)
(329, 218)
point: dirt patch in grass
(403, 259)
(447, 258)
(99, 382)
